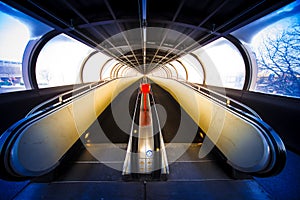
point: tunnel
(145, 99)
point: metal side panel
(43, 142)
(243, 143)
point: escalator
(97, 163)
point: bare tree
(279, 57)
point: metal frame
(246, 58)
(30, 57)
(84, 63)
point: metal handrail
(226, 101)
(277, 148)
(65, 97)
(229, 102)
(126, 165)
(165, 166)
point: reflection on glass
(16, 30)
(275, 42)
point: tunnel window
(93, 65)
(277, 50)
(98, 66)
(194, 68)
(274, 39)
(60, 61)
(173, 70)
(159, 72)
(182, 73)
(107, 70)
(223, 64)
(16, 30)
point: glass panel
(16, 30)
(172, 70)
(129, 71)
(194, 69)
(159, 72)
(60, 61)
(180, 69)
(93, 66)
(106, 72)
(223, 64)
(275, 42)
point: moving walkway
(36, 145)
(146, 153)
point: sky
(14, 37)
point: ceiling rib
(183, 52)
(165, 35)
(220, 18)
(100, 34)
(143, 28)
(200, 24)
(64, 30)
(121, 30)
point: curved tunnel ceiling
(146, 34)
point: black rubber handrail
(278, 151)
(8, 138)
(66, 97)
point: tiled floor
(190, 178)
